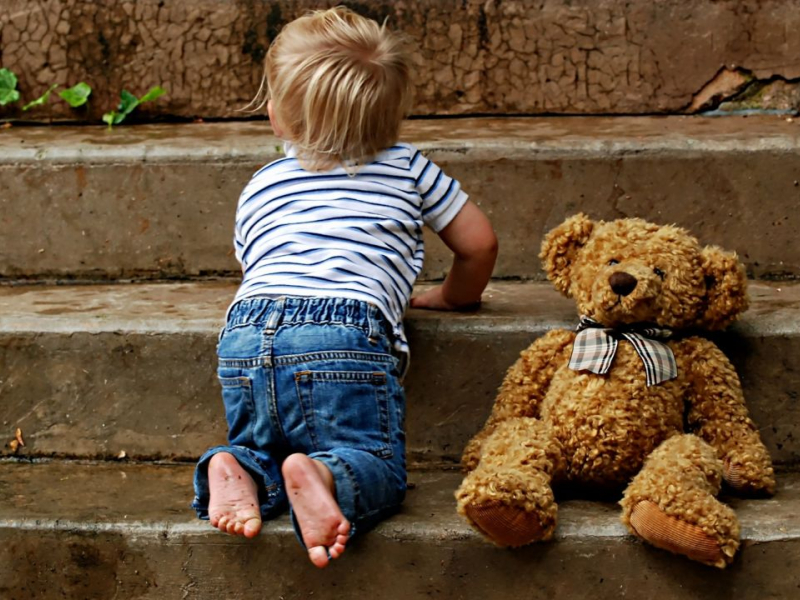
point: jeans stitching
(293, 359)
(310, 428)
(384, 449)
(383, 407)
(244, 363)
(353, 483)
(245, 384)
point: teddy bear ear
(560, 247)
(726, 288)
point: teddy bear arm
(717, 413)
(523, 388)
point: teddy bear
(634, 398)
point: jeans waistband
(285, 310)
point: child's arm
(471, 238)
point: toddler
(330, 242)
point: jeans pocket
(346, 409)
(237, 395)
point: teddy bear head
(630, 271)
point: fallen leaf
(18, 436)
(14, 445)
(122, 454)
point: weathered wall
(471, 56)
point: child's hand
(434, 299)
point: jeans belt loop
(374, 326)
(275, 315)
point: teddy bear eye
(613, 261)
(659, 272)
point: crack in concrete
(738, 89)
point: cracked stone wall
(470, 56)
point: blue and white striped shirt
(334, 234)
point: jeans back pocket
(346, 409)
(237, 394)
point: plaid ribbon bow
(595, 347)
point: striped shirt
(334, 234)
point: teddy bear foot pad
(679, 537)
(506, 525)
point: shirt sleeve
(238, 237)
(238, 244)
(442, 196)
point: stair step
(123, 530)
(91, 371)
(159, 200)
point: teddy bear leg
(671, 503)
(508, 497)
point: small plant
(41, 99)
(128, 103)
(8, 87)
(77, 95)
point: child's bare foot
(233, 507)
(310, 487)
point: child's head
(339, 86)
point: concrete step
(103, 530)
(91, 371)
(158, 201)
(469, 56)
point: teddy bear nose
(622, 283)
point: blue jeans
(317, 376)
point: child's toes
(251, 528)
(336, 550)
(318, 556)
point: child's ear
(726, 288)
(561, 245)
(273, 121)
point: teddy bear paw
(749, 478)
(507, 525)
(677, 536)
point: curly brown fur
(518, 462)
(717, 413)
(682, 478)
(523, 388)
(552, 423)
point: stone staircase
(117, 272)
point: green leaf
(155, 92)
(77, 95)
(8, 87)
(41, 99)
(127, 103)
(113, 118)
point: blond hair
(340, 87)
